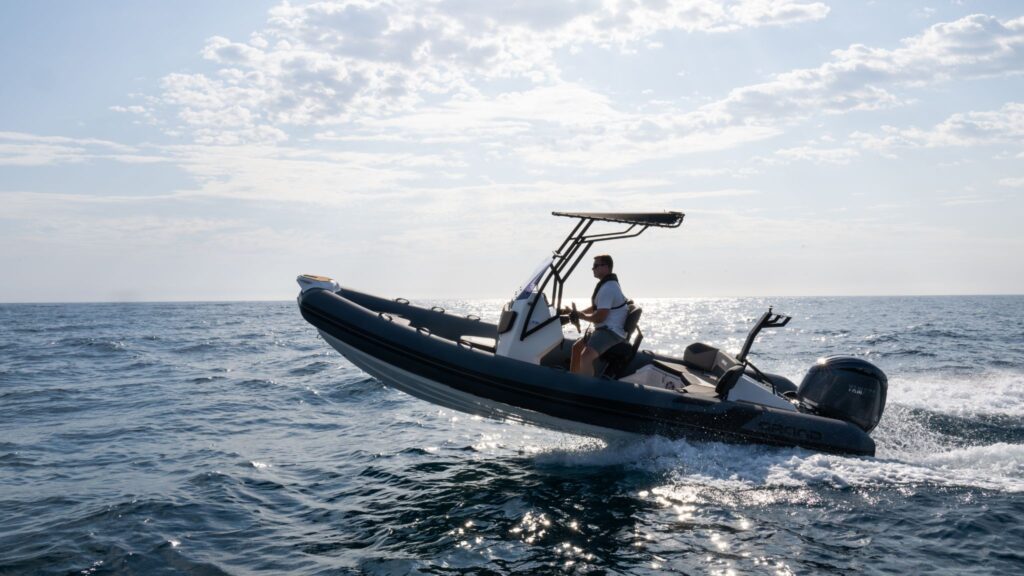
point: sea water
(229, 438)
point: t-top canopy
(661, 219)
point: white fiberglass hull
(443, 395)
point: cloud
(864, 78)
(485, 75)
(333, 62)
(21, 149)
(562, 106)
(1012, 182)
(631, 143)
(818, 154)
(111, 225)
(1002, 126)
(973, 46)
(305, 175)
(142, 114)
(414, 74)
(314, 64)
(859, 78)
(967, 200)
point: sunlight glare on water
(169, 438)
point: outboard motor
(846, 388)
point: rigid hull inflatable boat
(518, 369)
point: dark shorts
(603, 339)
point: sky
(214, 150)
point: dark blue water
(227, 438)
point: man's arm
(595, 317)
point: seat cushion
(683, 372)
(700, 356)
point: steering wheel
(574, 318)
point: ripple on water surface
(227, 438)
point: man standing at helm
(607, 312)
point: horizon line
(256, 300)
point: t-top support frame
(576, 245)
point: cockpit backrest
(700, 356)
(632, 319)
(617, 358)
(708, 358)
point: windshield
(533, 283)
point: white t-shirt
(608, 297)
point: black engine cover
(847, 388)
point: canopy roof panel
(661, 219)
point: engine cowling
(846, 388)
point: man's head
(602, 266)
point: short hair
(604, 259)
